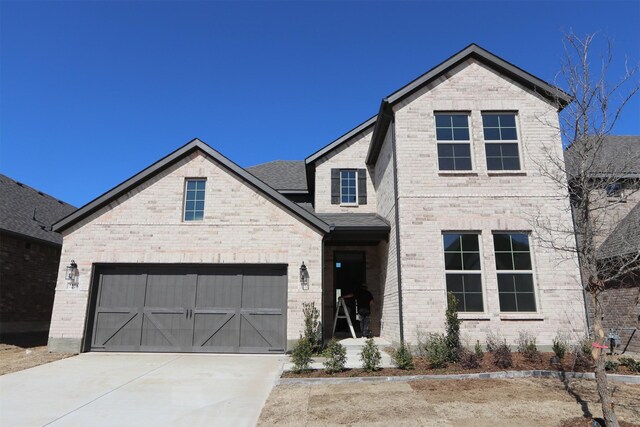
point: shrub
(493, 341)
(502, 356)
(436, 350)
(611, 365)
(478, 350)
(370, 356)
(469, 360)
(301, 355)
(583, 358)
(527, 347)
(452, 324)
(633, 365)
(402, 357)
(336, 355)
(560, 347)
(311, 325)
(585, 346)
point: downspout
(397, 212)
(322, 283)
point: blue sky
(92, 92)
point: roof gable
(385, 114)
(29, 212)
(343, 139)
(171, 159)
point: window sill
(473, 316)
(349, 205)
(521, 316)
(506, 173)
(457, 173)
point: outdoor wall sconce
(304, 277)
(72, 275)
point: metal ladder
(345, 310)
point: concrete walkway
(354, 349)
(140, 390)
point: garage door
(238, 309)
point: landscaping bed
(14, 358)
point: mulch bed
(589, 422)
(422, 367)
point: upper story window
(348, 187)
(194, 199)
(515, 273)
(462, 270)
(454, 144)
(501, 141)
(614, 190)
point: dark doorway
(349, 272)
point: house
(614, 179)
(29, 256)
(432, 194)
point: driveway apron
(97, 389)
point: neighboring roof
(355, 221)
(526, 79)
(344, 138)
(625, 238)
(171, 159)
(29, 212)
(614, 156)
(286, 176)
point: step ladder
(345, 315)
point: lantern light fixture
(72, 275)
(304, 276)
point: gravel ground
(15, 358)
(478, 403)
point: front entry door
(349, 274)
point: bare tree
(594, 175)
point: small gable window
(194, 199)
(454, 144)
(501, 141)
(614, 190)
(349, 187)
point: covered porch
(354, 254)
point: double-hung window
(348, 186)
(454, 144)
(194, 199)
(462, 270)
(515, 273)
(501, 141)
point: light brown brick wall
(145, 226)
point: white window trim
(514, 315)
(184, 201)
(504, 141)
(468, 315)
(469, 142)
(355, 171)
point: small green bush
(402, 357)
(370, 356)
(633, 365)
(436, 350)
(311, 325)
(611, 365)
(527, 347)
(469, 360)
(301, 355)
(452, 324)
(336, 355)
(478, 350)
(560, 347)
(502, 356)
(585, 346)
(493, 341)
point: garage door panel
(215, 332)
(162, 328)
(117, 328)
(260, 332)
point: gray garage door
(238, 309)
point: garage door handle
(186, 315)
(191, 315)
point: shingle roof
(615, 156)
(283, 175)
(27, 211)
(625, 238)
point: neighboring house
(614, 175)
(433, 194)
(29, 256)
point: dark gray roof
(354, 221)
(285, 176)
(612, 156)
(530, 81)
(29, 212)
(625, 238)
(180, 153)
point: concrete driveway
(140, 390)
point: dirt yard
(15, 358)
(478, 403)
